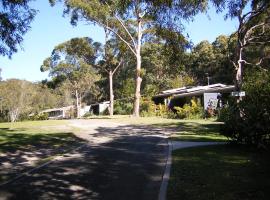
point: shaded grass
(38, 134)
(24, 145)
(199, 131)
(20, 139)
(222, 172)
(183, 130)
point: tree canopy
(133, 21)
(72, 65)
(15, 19)
(253, 31)
(19, 98)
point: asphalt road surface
(119, 162)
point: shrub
(88, 114)
(193, 111)
(248, 122)
(164, 111)
(147, 108)
(40, 116)
(123, 108)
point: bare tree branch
(234, 64)
(121, 38)
(256, 64)
(123, 25)
(115, 32)
(118, 35)
(119, 64)
(259, 42)
(248, 33)
(99, 66)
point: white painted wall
(210, 99)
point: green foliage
(213, 60)
(88, 114)
(164, 111)
(248, 121)
(126, 88)
(135, 22)
(147, 108)
(122, 107)
(20, 98)
(224, 113)
(182, 80)
(39, 117)
(163, 69)
(15, 19)
(3, 115)
(161, 12)
(193, 111)
(72, 67)
(16, 97)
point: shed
(59, 113)
(99, 108)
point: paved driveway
(119, 162)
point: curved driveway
(119, 162)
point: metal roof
(57, 109)
(196, 90)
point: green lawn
(24, 145)
(33, 135)
(129, 119)
(199, 130)
(57, 132)
(223, 172)
(32, 123)
(183, 130)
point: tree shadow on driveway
(21, 151)
(128, 166)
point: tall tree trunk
(239, 71)
(111, 92)
(14, 115)
(77, 104)
(136, 109)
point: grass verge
(221, 172)
(199, 131)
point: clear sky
(51, 28)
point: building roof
(57, 109)
(195, 91)
(100, 103)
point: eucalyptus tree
(73, 62)
(252, 32)
(16, 97)
(43, 98)
(212, 60)
(15, 19)
(110, 63)
(163, 67)
(132, 21)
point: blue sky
(51, 28)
